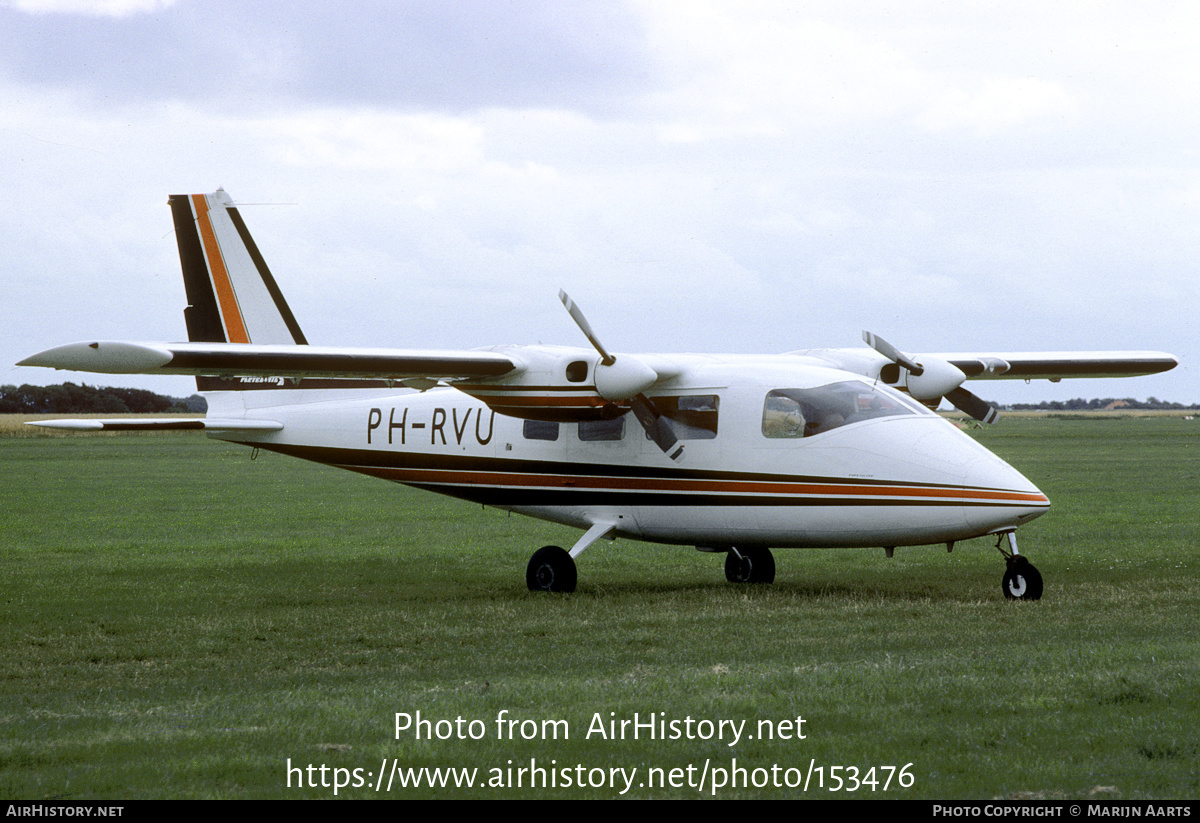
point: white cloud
(997, 106)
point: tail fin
(232, 297)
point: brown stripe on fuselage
(731, 490)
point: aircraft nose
(962, 489)
(995, 496)
(1004, 498)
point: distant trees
(69, 398)
(1107, 403)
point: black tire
(1021, 580)
(756, 565)
(551, 569)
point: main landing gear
(1021, 580)
(749, 564)
(552, 568)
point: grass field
(181, 622)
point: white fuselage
(902, 479)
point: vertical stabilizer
(232, 297)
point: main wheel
(551, 569)
(756, 565)
(1021, 580)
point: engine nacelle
(562, 384)
(937, 379)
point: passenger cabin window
(598, 430)
(540, 430)
(805, 412)
(691, 416)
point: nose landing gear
(1021, 580)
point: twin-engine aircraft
(728, 453)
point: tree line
(1079, 404)
(69, 398)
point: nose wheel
(1021, 580)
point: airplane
(734, 454)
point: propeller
(934, 379)
(585, 327)
(894, 354)
(656, 426)
(973, 405)
(627, 378)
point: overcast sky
(699, 176)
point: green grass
(180, 621)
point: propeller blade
(656, 426)
(585, 327)
(614, 380)
(892, 353)
(973, 405)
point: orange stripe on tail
(235, 327)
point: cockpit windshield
(805, 412)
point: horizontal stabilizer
(133, 424)
(249, 360)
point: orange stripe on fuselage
(595, 483)
(235, 328)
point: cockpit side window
(790, 413)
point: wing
(1055, 366)
(250, 360)
(419, 368)
(1058, 365)
(160, 424)
(931, 377)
